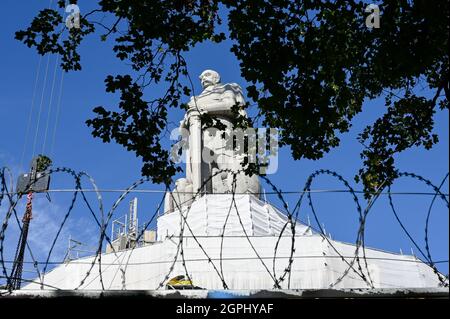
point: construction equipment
(35, 181)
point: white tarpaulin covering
(241, 262)
(214, 215)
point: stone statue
(209, 154)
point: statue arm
(193, 108)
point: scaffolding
(125, 231)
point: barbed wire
(74, 262)
(356, 264)
(158, 191)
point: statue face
(208, 78)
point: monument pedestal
(217, 214)
(250, 255)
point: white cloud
(47, 220)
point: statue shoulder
(234, 87)
(235, 90)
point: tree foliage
(310, 64)
(43, 163)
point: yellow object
(179, 281)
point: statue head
(208, 78)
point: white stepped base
(316, 265)
(311, 269)
(208, 215)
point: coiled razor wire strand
(233, 203)
(123, 270)
(233, 200)
(103, 229)
(209, 259)
(26, 281)
(179, 247)
(293, 223)
(35, 263)
(350, 265)
(71, 206)
(289, 222)
(103, 232)
(78, 189)
(427, 223)
(2, 238)
(427, 182)
(4, 190)
(361, 233)
(99, 223)
(292, 218)
(183, 223)
(223, 234)
(394, 211)
(443, 280)
(141, 233)
(161, 191)
(58, 170)
(296, 210)
(112, 263)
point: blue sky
(114, 167)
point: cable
(40, 107)
(31, 110)
(50, 103)
(42, 99)
(112, 190)
(58, 110)
(74, 262)
(58, 106)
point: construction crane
(33, 182)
